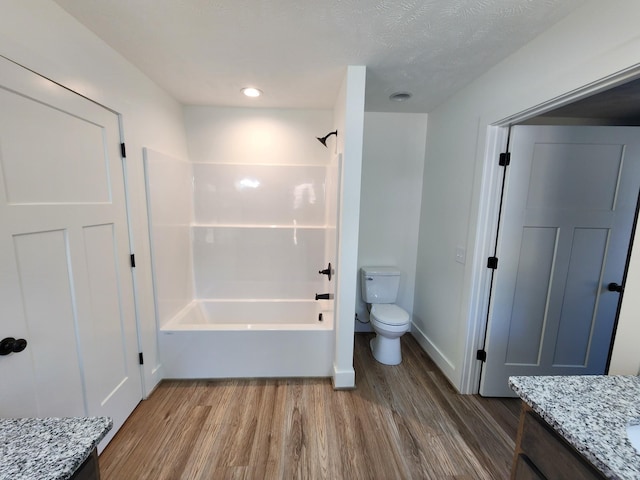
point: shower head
(323, 140)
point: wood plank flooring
(401, 422)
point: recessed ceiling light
(400, 96)
(251, 92)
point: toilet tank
(379, 284)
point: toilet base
(386, 350)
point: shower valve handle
(326, 271)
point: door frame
(132, 247)
(487, 220)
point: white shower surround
(259, 231)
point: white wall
(391, 191)
(256, 135)
(594, 42)
(41, 36)
(626, 354)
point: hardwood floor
(400, 422)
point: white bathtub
(248, 338)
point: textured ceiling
(203, 51)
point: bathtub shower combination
(237, 251)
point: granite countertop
(47, 448)
(592, 414)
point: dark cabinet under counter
(89, 470)
(542, 454)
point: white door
(569, 204)
(65, 278)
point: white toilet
(379, 290)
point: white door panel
(70, 147)
(67, 286)
(105, 329)
(46, 285)
(570, 198)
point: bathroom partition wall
(332, 208)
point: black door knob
(614, 287)
(19, 345)
(6, 345)
(11, 345)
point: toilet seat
(389, 314)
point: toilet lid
(389, 314)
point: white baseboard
(344, 379)
(443, 363)
(157, 374)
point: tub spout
(324, 296)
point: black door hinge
(505, 159)
(481, 355)
(123, 150)
(492, 263)
(133, 260)
(140, 359)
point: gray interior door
(570, 199)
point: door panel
(578, 314)
(563, 175)
(67, 286)
(30, 165)
(103, 335)
(570, 199)
(50, 317)
(530, 296)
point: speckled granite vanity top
(47, 448)
(591, 413)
